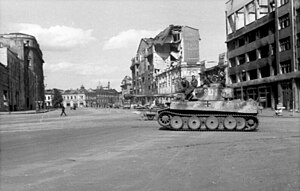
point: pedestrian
(63, 110)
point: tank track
(207, 122)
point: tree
(57, 98)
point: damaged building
(263, 50)
(22, 78)
(161, 61)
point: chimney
(108, 85)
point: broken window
(263, 31)
(265, 71)
(232, 62)
(252, 55)
(241, 59)
(286, 67)
(251, 36)
(250, 13)
(231, 45)
(263, 51)
(284, 44)
(230, 23)
(253, 74)
(241, 41)
(263, 9)
(240, 16)
(284, 21)
(233, 78)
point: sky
(91, 42)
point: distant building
(75, 98)
(263, 51)
(161, 61)
(102, 97)
(49, 97)
(23, 61)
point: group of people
(188, 87)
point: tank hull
(234, 115)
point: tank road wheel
(164, 119)
(230, 123)
(212, 123)
(194, 123)
(252, 123)
(240, 123)
(176, 122)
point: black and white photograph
(149, 95)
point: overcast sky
(85, 42)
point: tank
(210, 107)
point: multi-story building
(263, 50)
(75, 98)
(24, 60)
(102, 97)
(126, 85)
(161, 61)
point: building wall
(31, 68)
(263, 53)
(4, 88)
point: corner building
(263, 50)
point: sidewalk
(24, 112)
(285, 113)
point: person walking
(63, 110)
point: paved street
(112, 149)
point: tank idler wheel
(164, 119)
(176, 122)
(212, 123)
(230, 123)
(194, 123)
(240, 123)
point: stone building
(75, 98)
(102, 97)
(22, 56)
(263, 49)
(161, 61)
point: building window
(264, 51)
(230, 23)
(241, 59)
(231, 45)
(250, 13)
(241, 41)
(265, 71)
(285, 67)
(240, 19)
(263, 31)
(298, 39)
(253, 74)
(252, 55)
(285, 44)
(263, 8)
(232, 62)
(282, 2)
(284, 21)
(251, 36)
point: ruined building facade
(161, 61)
(22, 77)
(263, 50)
